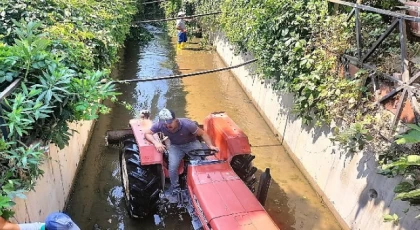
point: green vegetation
(406, 163)
(391, 218)
(63, 52)
(171, 9)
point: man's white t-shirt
(32, 226)
(181, 24)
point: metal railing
(405, 84)
(4, 132)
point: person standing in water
(182, 30)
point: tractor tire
(141, 183)
(242, 165)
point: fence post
(405, 68)
(358, 34)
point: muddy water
(97, 201)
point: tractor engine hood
(223, 201)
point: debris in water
(158, 220)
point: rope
(151, 2)
(261, 146)
(171, 19)
(187, 75)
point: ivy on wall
(298, 45)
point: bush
(63, 52)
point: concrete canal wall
(52, 190)
(348, 184)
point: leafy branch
(62, 53)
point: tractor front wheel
(141, 183)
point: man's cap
(60, 221)
(180, 13)
(166, 116)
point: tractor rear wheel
(141, 183)
(242, 165)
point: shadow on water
(97, 199)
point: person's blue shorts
(182, 37)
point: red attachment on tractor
(226, 135)
(149, 154)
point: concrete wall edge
(360, 211)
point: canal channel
(97, 199)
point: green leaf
(413, 126)
(25, 90)
(414, 194)
(369, 138)
(5, 202)
(48, 96)
(403, 187)
(413, 159)
(389, 218)
(413, 136)
(24, 161)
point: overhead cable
(185, 75)
(172, 19)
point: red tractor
(217, 188)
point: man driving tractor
(182, 133)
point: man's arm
(5, 225)
(180, 29)
(200, 132)
(149, 136)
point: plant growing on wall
(354, 138)
(411, 137)
(62, 52)
(406, 165)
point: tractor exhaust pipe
(114, 137)
(263, 186)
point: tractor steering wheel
(202, 152)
